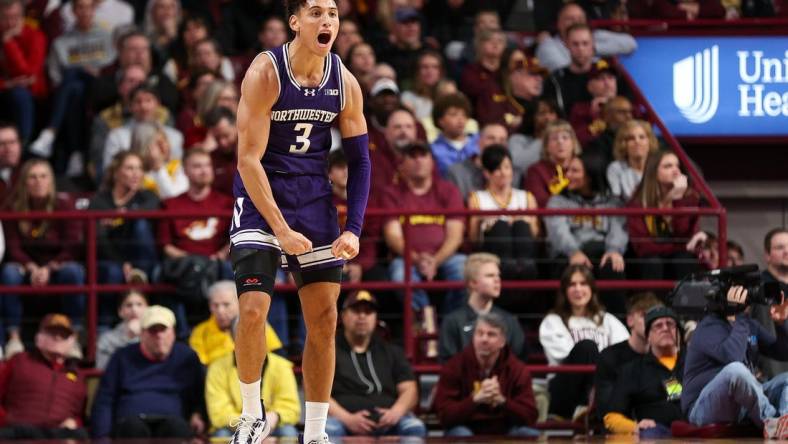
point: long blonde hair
(20, 199)
(623, 133)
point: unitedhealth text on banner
(709, 86)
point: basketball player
(290, 98)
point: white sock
(315, 420)
(250, 394)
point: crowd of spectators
(131, 106)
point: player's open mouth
(324, 37)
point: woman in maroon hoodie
(41, 252)
(485, 389)
(548, 176)
(660, 242)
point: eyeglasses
(667, 324)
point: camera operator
(775, 247)
(720, 382)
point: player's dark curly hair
(293, 6)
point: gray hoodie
(567, 234)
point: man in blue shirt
(153, 389)
(720, 382)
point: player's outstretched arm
(355, 143)
(259, 91)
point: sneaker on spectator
(42, 146)
(138, 277)
(776, 428)
(580, 414)
(12, 347)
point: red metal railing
(92, 288)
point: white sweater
(557, 340)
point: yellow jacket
(278, 389)
(211, 343)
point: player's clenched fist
(293, 242)
(346, 246)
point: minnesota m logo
(696, 85)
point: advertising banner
(715, 86)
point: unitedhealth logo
(696, 85)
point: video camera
(708, 291)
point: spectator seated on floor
(646, 397)
(660, 242)
(720, 382)
(40, 252)
(278, 389)
(153, 389)
(575, 332)
(132, 305)
(511, 238)
(211, 339)
(483, 284)
(485, 390)
(42, 392)
(374, 391)
(613, 358)
(435, 240)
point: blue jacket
(717, 343)
(446, 155)
(133, 385)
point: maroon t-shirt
(203, 236)
(427, 232)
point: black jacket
(646, 389)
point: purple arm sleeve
(359, 173)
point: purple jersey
(301, 117)
(295, 161)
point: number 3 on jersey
(305, 129)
